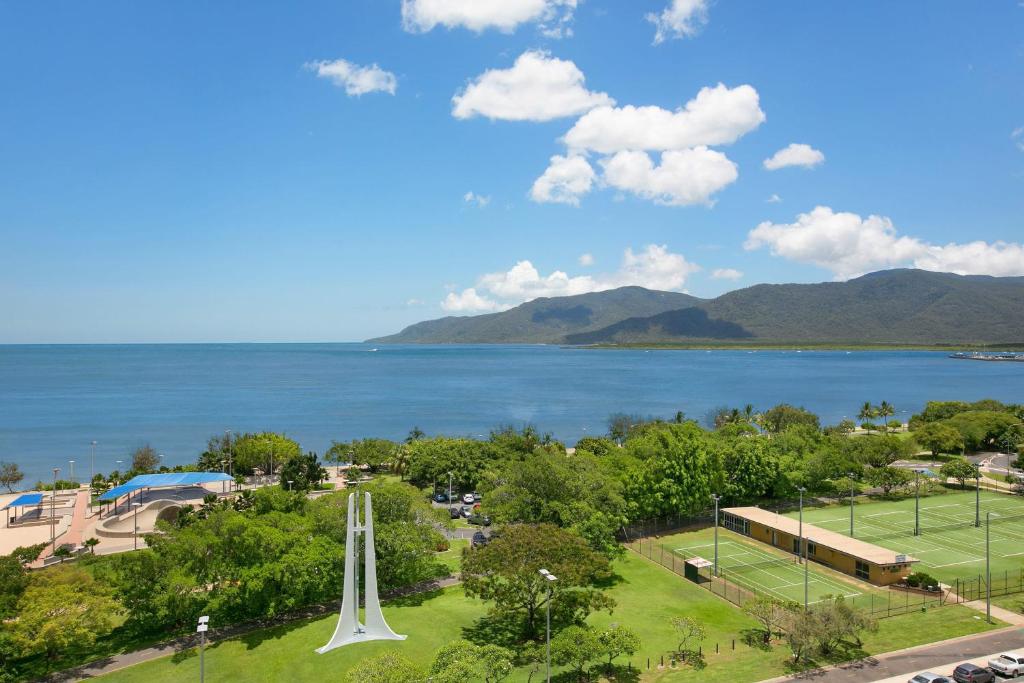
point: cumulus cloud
(680, 19)
(654, 267)
(357, 80)
(477, 199)
(586, 259)
(795, 154)
(718, 115)
(538, 87)
(1018, 138)
(565, 180)
(726, 274)
(684, 177)
(849, 245)
(468, 301)
(553, 16)
(774, 199)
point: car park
(972, 673)
(454, 512)
(479, 520)
(440, 498)
(468, 499)
(479, 539)
(476, 496)
(467, 510)
(929, 677)
(1008, 664)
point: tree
(461, 661)
(621, 426)
(689, 632)
(263, 451)
(939, 438)
(770, 613)
(888, 478)
(885, 410)
(507, 572)
(575, 646)
(616, 641)
(430, 461)
(10, 475)
(960, 469)
(91, 544)
(831, 620)
(60, 610)
(799, 633)
(415, 434)
(751, 468)
(389, 667)
(784, 416)
(495, 662)
(867, 412)
(14, 580)
(374, 453)
(302, 473)
(145, 459)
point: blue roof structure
(24, 500)
(155, 481)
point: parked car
(479, 520)
(972, 673)
(1008, 664)
(468, 499)
(467, 510)
(479, 539)
(454, 512)
(440, 498)
(476, 496)
(929, 677)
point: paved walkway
(120, 661)
(1014, 618)
(75, 533)
(900, 664)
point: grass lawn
(1014, 603)
(950, 546)
(648, 596)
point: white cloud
(468, 301)
(681, 19)
(849, 245)
(356, 79)
(716, 116)
(553, 16)
(474, 198)
(564, 181)
(1018, 135)
(774, 199)
(413, 302)
(586, 259)
(538, 87)
(684, 177)
(795, 154)
(726, 274)
(655, 267)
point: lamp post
(806, 571)
(71, 474)
(135, 524)
(160, 461)
(227, 435)
(117, 481)
(850, 475)
(449, 492)
(800, 547)
(917, 502)
(988, 571)
(53, 518)
(716, 498)
(977, 496)
(290, 482)
(201, 628)
(92, 473)
(551, 589)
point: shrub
(922, 580)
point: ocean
(55, 400)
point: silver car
(929, 677)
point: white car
(468, 499)
(1008, 664)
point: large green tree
(10, 475)
(750, 466)
(506, 572)
(302, 473)
(430, 461)
(960, 469)
(145, 459)
(939, 438)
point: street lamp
(227, 434)
(551, 578)
(801, 546)
(449, 491)
(977, 496)
(917, 502)
(92, 473)
(135, 524)
(161, 461)
(118, 479)
(53, 517)
(806, 571)
(71, 476)
(716, 498)
(988, 571)
(290, 482)
(850, 475)
(201, 628)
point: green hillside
(889, 307)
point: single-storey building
(852, 556)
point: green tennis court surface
(950, 546)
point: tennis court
(764, 571)
(950, 546)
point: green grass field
(950, 546)
(648, 596)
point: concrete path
(75, 532)
(901, 664)
(1010, 617)
(120, 661)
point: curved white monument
(349, 629)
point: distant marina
(978, 355)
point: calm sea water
(54, 400)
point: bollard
(716, 648)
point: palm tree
(885, 411)
(400, 462)
(867, 412)
(91, 544)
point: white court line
(880, 514)
(953, 564)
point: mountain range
(903, 306)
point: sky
(332, 171)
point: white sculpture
(349, 629)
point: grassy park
(648, 596)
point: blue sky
(202, 171)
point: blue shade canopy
(155, 481)
(25, 500)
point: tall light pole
(160, 461)
(850, 475)
(449, 491)
(917, 502)
(988, 571)
(135, 524)
(551, 590)
(92, 473)
(71, 475)
(806, 571)
(53, 518)
(716, 497)
(977, 496)
(801, 546)
(227, 435)
(201, 628)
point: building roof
(24, 500)
(862, 550)
(155, 481)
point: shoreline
(794, 346)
